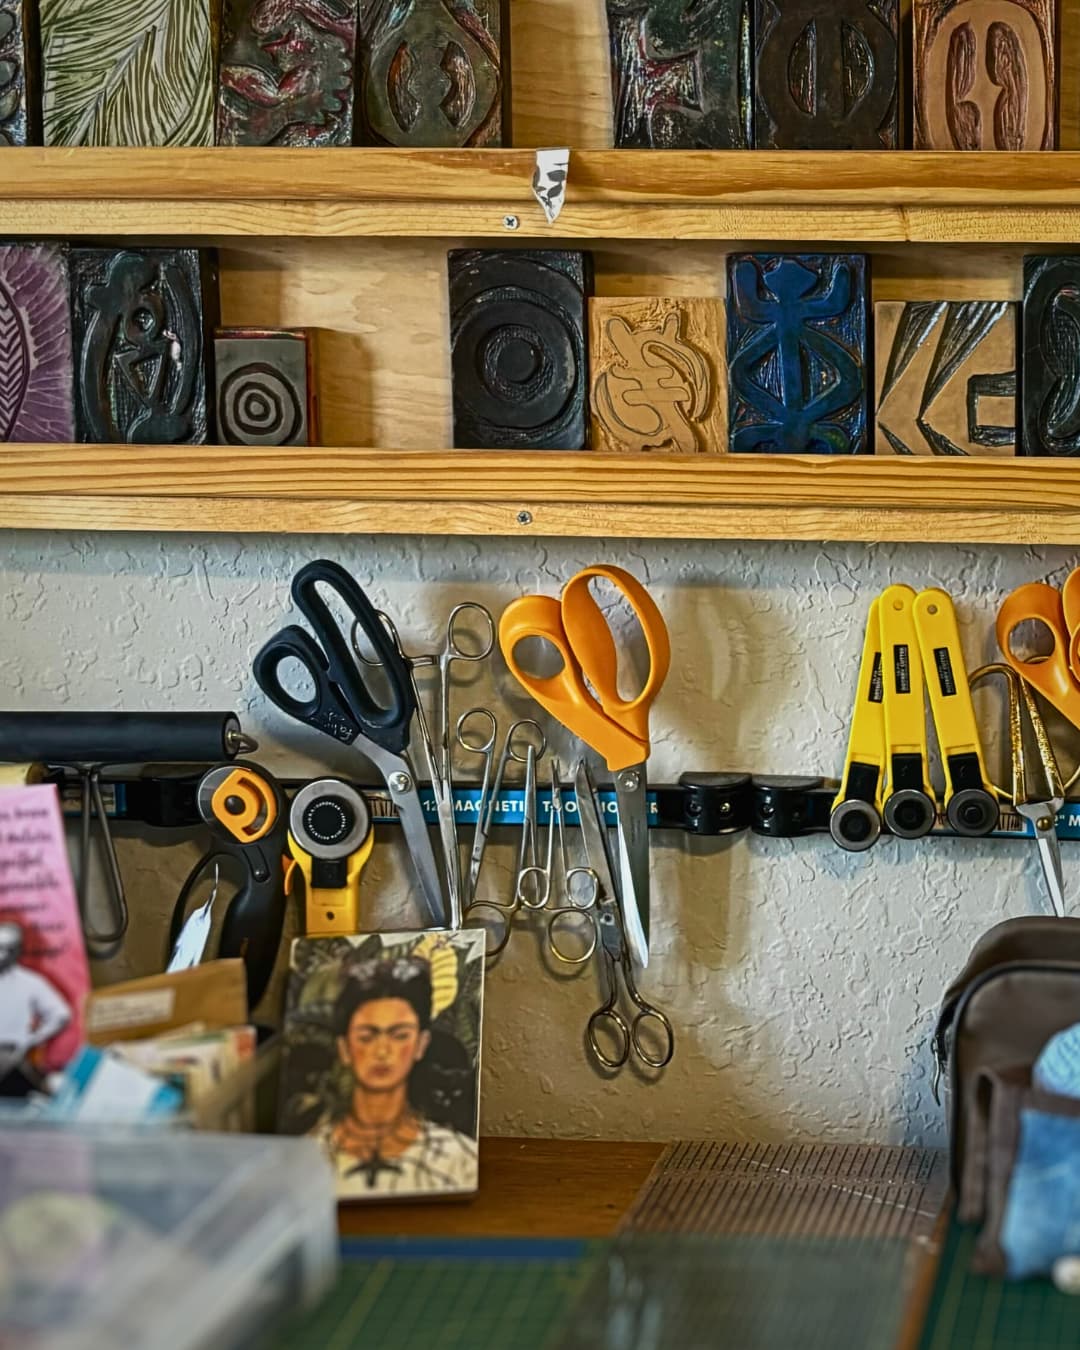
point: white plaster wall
(802, 982)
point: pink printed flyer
(44, 976)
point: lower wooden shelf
(469, 492)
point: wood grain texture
(946, 377)
(594, 1183)
(287, 74)
(826, 75)
(432, 74)
(985, 75)
(658, 376)
(681, 75)
(797, 346)
(1050, 357)
(129, 73)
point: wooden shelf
(326, 490)
(857, 197)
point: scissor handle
(484, 746)
(564, 918)
(455, 649)
(325, 710)
(495, 938)
(566, 695)
(387, 725)
(1050, 675)
(608, 1021)
(532, 889)
(647, 1016)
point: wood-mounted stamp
(656, 367)
(142, 322)
(946, 377)
(434, 73)
(985, 75)
(19, 117)
(127, 72)
(288, 72)
(265, 386)
(826, 74)
(36, 393)
(517, 335)
(681, 74)
(1050, 356)
(797, 353)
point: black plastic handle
(118, 738)
(326, 710)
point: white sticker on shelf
(550, 179)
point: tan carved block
(946, 377)
(657, 375)
(985, 75)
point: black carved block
(20, 120)
(142, 322)
(826, 75)
(517, 333)
(797, 353)
(681, 74)
(434, 73)
(1050, 357)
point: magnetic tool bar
(779, 807)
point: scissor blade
(634, 860)
(592, 829)
(1049, 849)
(413, 825)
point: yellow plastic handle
(866, 743)
(903, 678)
(614, 727)
(947, 680)
(331, 913)
(259, 813)
(1050, 675)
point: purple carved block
(37, 401)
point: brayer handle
(121, 738)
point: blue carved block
(797, 343)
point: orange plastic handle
(616, 728)
(1070, 600)
(1051, 675)
(259, 810)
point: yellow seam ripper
(910, 809)
(970, 805)
(330, 839)
(855, 822)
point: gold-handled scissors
(584, 697)
(1037, 801)
(607, 1025)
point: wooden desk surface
(528, 1188)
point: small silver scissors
(524, 743)
(580, 889)
(607, 1022)
(460, 644)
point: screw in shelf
(511, 222)
(524, 518)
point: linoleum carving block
(265, 386)
(657, 373)
(127, 72)
(36, 378)
(1050, 356)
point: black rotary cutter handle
(342, 704)
(255, 918)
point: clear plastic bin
(156, 1239)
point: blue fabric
(1058, 1067)
(1042, 1213)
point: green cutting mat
(971, 1310)
(473, 1294)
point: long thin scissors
(521, 735)
(584, 697)
(344, 707)
(580, 891)
(439, 757)
(1038, 802)
(607, 1021)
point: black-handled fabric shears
(344, 706)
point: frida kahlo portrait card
(382, 1059)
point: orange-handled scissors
(1052, 675)
(584, 697)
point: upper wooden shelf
(771, 196)
(345, 491)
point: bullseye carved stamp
(265, 386)
(517, 333)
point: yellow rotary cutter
(330, 839)
(909, 809)
(855, 822)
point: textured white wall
(802, 982)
